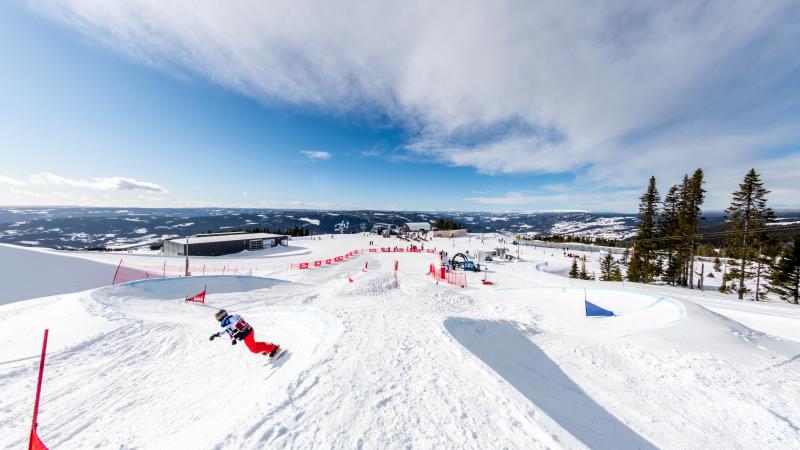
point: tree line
(448, 224)
(558, 238)
(295, 231)
(668, 240)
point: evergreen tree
(784, 278)
(626, 257)
(573, 272)
(669, 226)
(584, 275)
(616, 275)
(748, 211)
(726, 276)
(692, 197)
(643, 266)
(609, 269)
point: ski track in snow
(379, 364)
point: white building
(417, 227)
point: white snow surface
(29, 273)
(374, 364)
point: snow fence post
(114, 280)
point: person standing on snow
(239, 330)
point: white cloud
(617, 90)
(102, 183)
(23, 193)
(316, 155)
(511, 198)
(560, 198)
(11, 181)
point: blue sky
(137, 104)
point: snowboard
(278, 356)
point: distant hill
(81, 228)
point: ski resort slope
(411, 364)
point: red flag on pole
(199, 298)
(35, 443)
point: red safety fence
(338, 259)
(325, 261)
(454, 278)
(127, 272)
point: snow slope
(30, 273)
(374, 364)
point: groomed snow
(375, 364)
(30, 273)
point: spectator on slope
(239, 330)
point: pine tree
(573, 272)
(724, 286)
(616, 275)
(584, 275)
(609, 269)
(692, 197)
(643, 266)
(669, 226)
(784, 278)
(748, 211)
(626, 257)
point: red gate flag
(35, 443)
(199, 298)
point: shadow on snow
(507, 350)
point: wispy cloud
(316, 155)
(511, 198)
(560, 200)
(11, 181)
(101, 183)
(618, 90)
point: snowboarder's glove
(233, 341)
(211, 338)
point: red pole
(38, 389)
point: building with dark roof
(217, 244)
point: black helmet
(221, 315)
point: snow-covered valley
(375, 363)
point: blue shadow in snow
(509, 352)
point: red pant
(257, 347)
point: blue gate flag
(593, 310)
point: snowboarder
(239, 330)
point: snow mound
(32, 273)
(635, 312)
